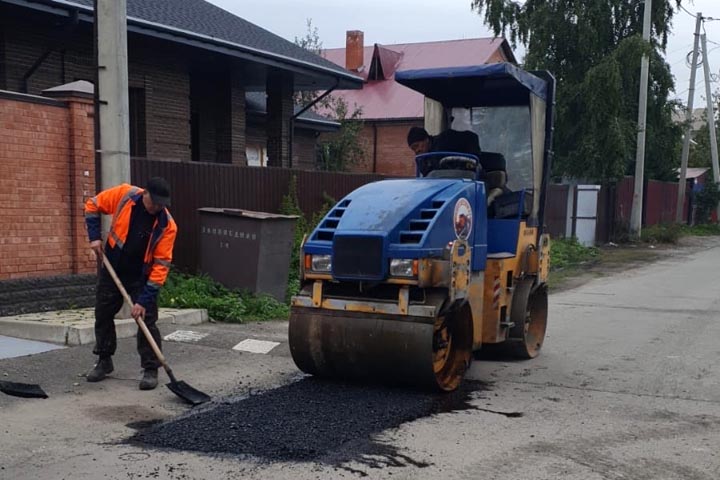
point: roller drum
(373, 347)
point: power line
(709, 19)
(688, 11)
(688, 46)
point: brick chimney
(354, 43)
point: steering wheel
(458, 162)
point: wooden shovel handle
(139, 320)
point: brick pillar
(279, 111)
(81, 165)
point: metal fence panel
(196, 185)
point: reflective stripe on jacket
(119, 202)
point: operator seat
(494, 174)
(495, 183)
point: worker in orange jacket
(139, 246)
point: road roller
(404, 280)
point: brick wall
(46, 148)
(3, 75)
(394, 157)
(304, 149)
(386, 150)
(163, 71)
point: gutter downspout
(311, 104)
(291, 136)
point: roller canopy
(476, 86)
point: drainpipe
(311, 104)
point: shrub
(291, 206)
(664, 233)
(222, 304)
(568, 252)
(707, 201)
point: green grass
(671, 232)
(222, 304)
(665, 233)
(568, 252)
(704, 230)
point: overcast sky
(408, 21)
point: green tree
(594, 49)
(700, 152)
(339, 150)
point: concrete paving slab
(76, 327)
(16, 347)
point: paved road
(628, 387)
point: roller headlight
(321, 263)
(403, 267)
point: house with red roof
(390, 109)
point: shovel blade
(188, 393)
(22, 390)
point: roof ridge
(422, 43)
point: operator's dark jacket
(456, 141)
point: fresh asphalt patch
(311, 420)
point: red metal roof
(386, 99)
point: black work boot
(102, 369)
(149, 379)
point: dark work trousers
(109, 301)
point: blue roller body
(411, 218)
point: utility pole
(112, 106)
(710, 114)
(114, 116)
(637, 204)
(688, 126)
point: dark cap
(416, 134)
(159, 190)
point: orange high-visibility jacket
(118, 202)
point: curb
(83, 333)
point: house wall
(304, 142)
(158, 67)
(47, 171)
(386, 149)
(304, 151)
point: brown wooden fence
(197, 185)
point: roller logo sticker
(463, 219)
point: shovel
(179, 388)
(22, 390)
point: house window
(136, 100)
(256, 155)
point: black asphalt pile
(303, 421)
